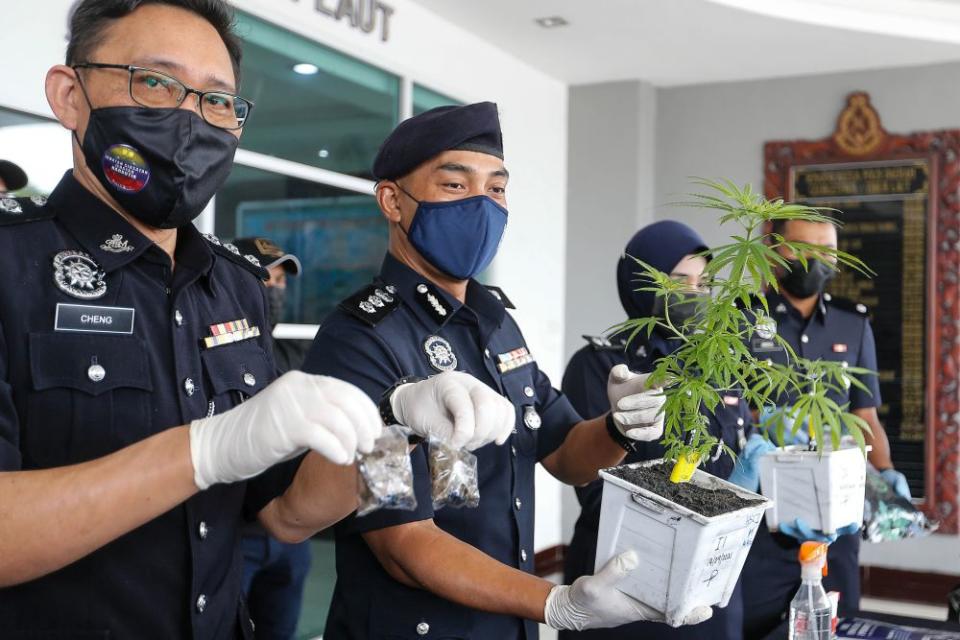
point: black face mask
(684, 309)
(277, 300)
(805, 283)
(161, 165)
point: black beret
(472, 127)
(12, 175)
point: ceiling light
(306, 69)
(552, 22)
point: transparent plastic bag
(888, 516)
(386, 475)
(453, 476)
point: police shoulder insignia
(498, 293)
(846, 304)
(603, 343)
(233, 255)
(372, 304)
(21, 210)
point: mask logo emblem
(125, 168)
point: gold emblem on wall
(859, 132)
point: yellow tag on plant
(684, 468)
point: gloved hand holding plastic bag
(386, 474)
(889, 516)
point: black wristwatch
(629, 444)
(386, 409)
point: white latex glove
(456, 409)
(295, 413)
(594, 602)
(637, 410)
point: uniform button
(517, 502)
(201, 603)
(249, 379)
(523, 554)
(422, 288)
(423, 629)
(178, 318)
(804, 338)
(739, 422)
(96, 373)
(528, 391)
(168, 290)
(189, 387)
(513, 449)
(203, 530)
(486, 353)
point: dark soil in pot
(707, 502)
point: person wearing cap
(289, 354)
(677, 250)
(12, 177)
(465, 573)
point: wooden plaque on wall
(899, 199)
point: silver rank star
(212, 239)
(10, 205)
(117, 244)
(232, 248)
(252, 260)
(40, 201)
(77, 274)
(442, 357)
(383, 295)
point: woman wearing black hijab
(671, 247)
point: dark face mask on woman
(162, 166)
(276, 301)
(684, 308)
(806, 282)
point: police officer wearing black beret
(816, 325)
(677, 250)
(12, 177)
(119, 322)
(464, 573)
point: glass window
(41, 147)
(425, 99)
(333, 114)
(339, 236)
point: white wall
(445, 57)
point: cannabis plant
(713, 355)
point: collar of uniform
(775, 300)
(430, 303)
(103, 233)
(485, 304)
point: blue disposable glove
(804, 532)
(768, 422)
(897, 482)
(746, 471)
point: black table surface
(781, 632)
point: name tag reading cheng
(83, 318)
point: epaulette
(845, 304)
(372, 304)
(498, 293)
(21, 210)
(231, 253)
(603, 343)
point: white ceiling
(677, 42)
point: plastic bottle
(810, 611)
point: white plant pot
(687, 560)
(824, 490)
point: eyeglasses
(157, 90)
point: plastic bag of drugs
(386, 474)
(453, 475)
(888, 516)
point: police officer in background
(12, 178)
(281, 265)
(135, 366)
(675, 249)
(816, 326)
(464, 573)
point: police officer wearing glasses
(140, 422)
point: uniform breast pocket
(235, 372)
(521, 391)
(91, 396)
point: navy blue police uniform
(839, 330)
(402, 325)
(585, 384)
(103, 344)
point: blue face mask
(460, 237)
